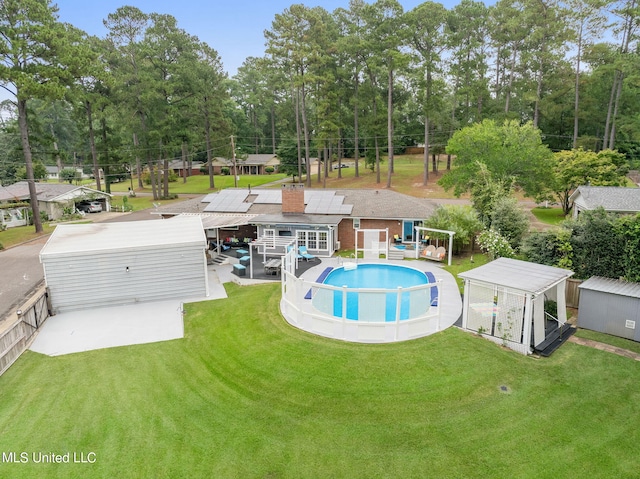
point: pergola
(273, 246)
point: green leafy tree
(628, 228)
(509, 151)
(69, 174)
(573, 168)
(288, 155)
(39, 58)
(461, 219)
(426, 26)
(508, 219)
(485, 191)
(39, 172)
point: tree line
(363, 81)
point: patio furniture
(239, 270)
(244, 261)
(305, 253)
(397, 239)
(241, 252)
(433, 253)
(272, 267)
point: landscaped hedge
(596, 244)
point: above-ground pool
(376, 296)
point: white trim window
(313, 239)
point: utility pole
(235, 169)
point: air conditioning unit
(337, 245)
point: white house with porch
(504, 302)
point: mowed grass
(407, 177)
(199, 184)
(245, 395)
(20, 234)
(552, 216)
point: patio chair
(305, 254)
(290, 248)
(397, 239)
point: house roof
(524, 276)
(177, 164)
(611, 198)
(16, 191)
(321, 206)
(262, 159)
(613, 286)
(387, 204)
(45, 191)
(73, 239)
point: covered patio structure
(504, 301)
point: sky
(234, 28)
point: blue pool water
(378, 306)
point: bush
(146, 177)
(225, 171)
(269, 170)
(495, 244)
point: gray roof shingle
(611, 198)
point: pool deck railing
(298, 307)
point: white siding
(110, 275)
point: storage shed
(111, 264)
(610, 306)
(504, 302)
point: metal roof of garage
(613, 286)
(68, 240)
(520, 275)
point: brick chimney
(292, 199)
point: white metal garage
(111, 264)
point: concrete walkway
(605, 347)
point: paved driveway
(20, 273)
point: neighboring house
(192, 170)
(322, 220)
(256, 164)
(613, 199)
(219, 163)
(54, 174)
(54, 198)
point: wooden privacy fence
(572, 292)
(16, 338)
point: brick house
(322, 220)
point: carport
(112, 264)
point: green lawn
(552, 216)
(200, 184)
(14, 236)
(245, 395)
(608, 339)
